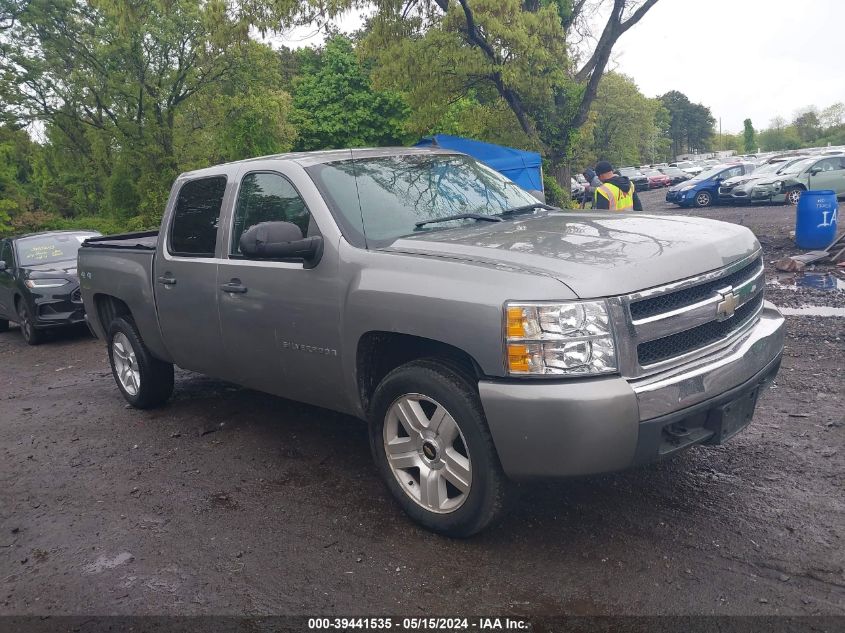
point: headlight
(687, 188)
(777, 185)
(45, 283)
(573, 338)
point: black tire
(703, 199)
(4, 325)
(490, 492)
(155, 376)
(792, 195)
(30, 335)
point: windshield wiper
(459, 216)
(526, 208)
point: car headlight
(46, 283)
(687, 188)
(777, 185)
(572, 338)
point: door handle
(167, 280)
(234, 287)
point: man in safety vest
(616, 193)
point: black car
(39, 288)
(633, 174)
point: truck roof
(328, 156)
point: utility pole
(721, 145)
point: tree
(439, 51)
(691, 126)
(335, 105)
(807, 125)
(748, 136)
(833, 116)
(624, 122)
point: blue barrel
(815, 220)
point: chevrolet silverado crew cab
(485, 337)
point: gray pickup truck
(486, 338)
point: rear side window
(193, 232)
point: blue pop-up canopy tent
(524, 168)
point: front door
(185, 277)
(280, 320)
(831, 175)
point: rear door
(7, 280)
(185, 275)
(280, 319)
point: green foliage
(625, 123)
(749, 137)
(691, 124)
(335, 105)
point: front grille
(697, 337)
(688, 296)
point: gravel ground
(227, 501)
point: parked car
(738, 189)
(39, 288)
(688, 166)
(703, 190)
(675, 174)
(818, 172)
(657, 179)
(485, 336)
(576, 190)
(635, 176)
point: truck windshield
(398, 192)
(44, 249)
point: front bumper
(581, 427)
(58, 309)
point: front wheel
(793, 195)
(431, 444)
(703, 199)
(144, 380)
(30, 335)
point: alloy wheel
(126, 364)
(427, 453)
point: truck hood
(594, 254)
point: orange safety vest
(618, 200)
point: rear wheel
(703, 199)
(793, 195)
(430, 441)
(28, 331)
(144, 380)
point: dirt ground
(227, 501)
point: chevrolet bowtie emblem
(727, 305)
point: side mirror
(280, 240)
(815, 170)
(2, 266)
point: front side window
(193, 232)
(268, 197)
(383, 198)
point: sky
(754, 59)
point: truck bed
(141, 240)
